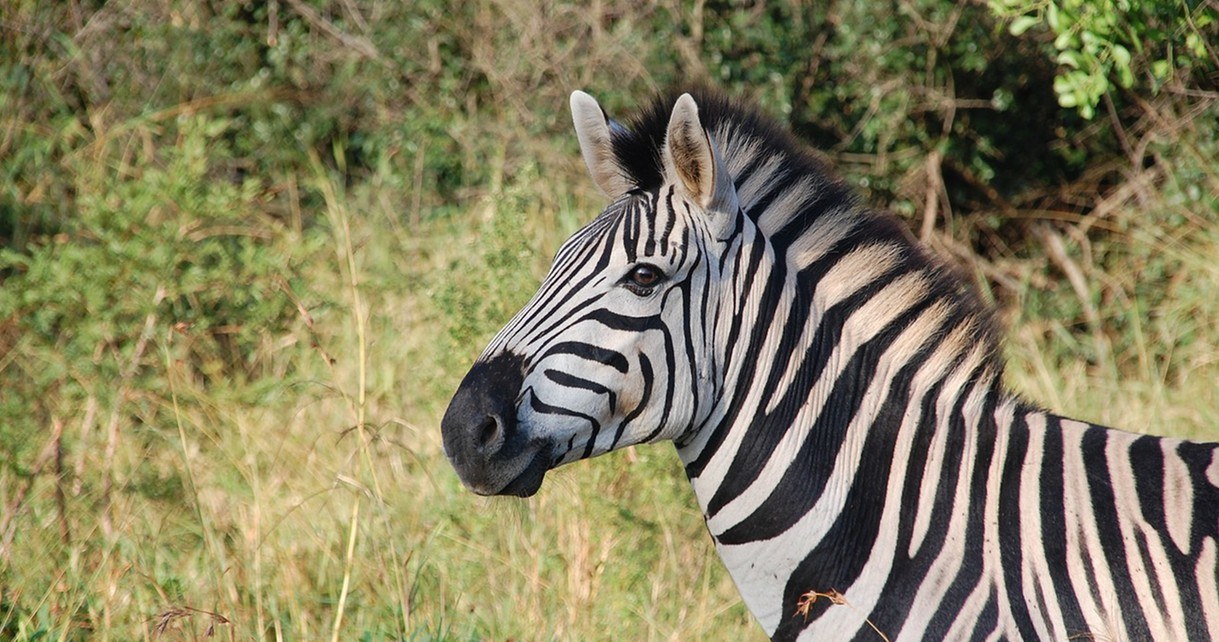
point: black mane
(747, 139)
(638, 145)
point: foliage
(1103, 43)
(247, 250)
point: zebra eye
(643, 277)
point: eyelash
(643, 272)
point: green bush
(161, 244)
(1105, 44)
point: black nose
(479, 428)
(480, 417)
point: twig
(809, 598)
(1134, 187)
(61, 499)
(86, 426)
(970, 258)
(315, 341)
(351, 549)
(112, 426)
(1057, 253)
(417, 184)
(170, 615)
(272, 23)
(360, 44)
(935, 194)
(1120, 131)
(8, 522)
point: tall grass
(242, 275)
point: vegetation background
(247, 250)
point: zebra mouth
(527, 483)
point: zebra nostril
(489, 432)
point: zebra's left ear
(594, 129)
(692, 161)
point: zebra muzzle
(482, 439)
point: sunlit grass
(329, 511)
(283, 479)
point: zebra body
(835, 396)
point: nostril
(489, 432)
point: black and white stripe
(835, 394)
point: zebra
(834, 393)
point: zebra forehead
(637, 217)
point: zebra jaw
(482, 440)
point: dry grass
(316, 502)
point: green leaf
(1125, 77)
(1068, 58)
(1023, 24)
(1193, 42)
(1065, 91)
(1161, 69)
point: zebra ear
(596, 145)
(692, 161)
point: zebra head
(607, 353)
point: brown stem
(8, 522)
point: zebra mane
(739, 130)
(797, 201)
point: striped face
(611, 351)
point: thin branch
(112, 426)
(935, 194)
(1057, 253)
(61, 498)
(360, 44)
(8, 521)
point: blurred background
(248, 249)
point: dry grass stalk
(51, 452)
(112, 426)
(359, 44)
(1056, 251)
(934, 196)
(809, 598)
(176, 613)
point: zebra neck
(821, 503)
(825, 364)
(772, 454)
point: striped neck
(849, 349)
(820, 323)
(798, 502)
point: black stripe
(590, 352)
(649, 379)
(804, 480)
(905, 580)
(988, 619)
(766, 431)
(969, 575)
(1205, 524)
(542, 407)
(742, 282)
(889, 614)
(669, 221)
(830, 564)
(649, 216)
(630, 236)
(1109, 529)
(1053, 526)
(572, 381)
(1010, 518)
